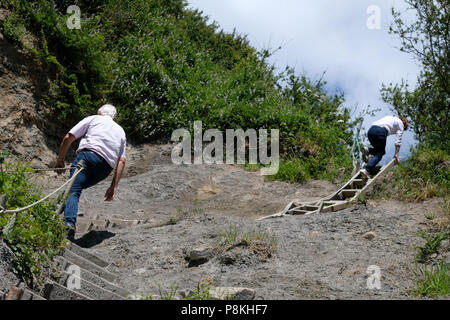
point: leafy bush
(431, 246)
(165, 67)
(425, 174)
(13, 28)
(38, 233)
(426, 38)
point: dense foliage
(38, 233)
(427, 39)
(425, 174)
(164, 66)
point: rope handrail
(45, 169)
(2, 210)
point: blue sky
(325, 36)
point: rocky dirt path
(323, 256)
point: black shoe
(71, 233)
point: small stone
(185, 293)
(201, 253)
(447, 260)
(369, 235)
(314, 234)
(140, 270)
(232, 293)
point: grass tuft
(433, 282)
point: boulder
(369, 235)
(201, 254)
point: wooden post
(14, 294)
(3, 200)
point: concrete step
(87, 255)
(92, 279)
(90, 289)
(55, 291)
(85, 224)
(75, 259)
(30, 295)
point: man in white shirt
(102, 147)
(377, 135)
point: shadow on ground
(93, 238)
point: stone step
(88, 276)
(30, 295)
(85, 225)
(87, 255)
(55, 291)
(75, 259)
(89, 289)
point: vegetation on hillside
(426, 173)
(38, 233)
(165, 66)
(426, 38)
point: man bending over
(102, 147)
(377, 135)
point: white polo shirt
(393, 125)
(103, 136)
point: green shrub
(433, 282)
(202, 291)
(165, 67)
(38, 233)
(425, 174)
(13, 28)
(431, 246)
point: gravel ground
(321, 256)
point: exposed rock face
(7, 277)
(25, 129)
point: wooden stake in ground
(14, 294)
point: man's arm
(111, 192)
(397, 149)
(64, 147)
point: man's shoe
(71, 233)
(365, 154)
(366, 173)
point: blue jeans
(95, 170)
(377, 137)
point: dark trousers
(95, 170)
(377, 137)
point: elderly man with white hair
(102, 147)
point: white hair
(108, 110)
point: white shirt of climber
(393, 125)
(102, 135)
